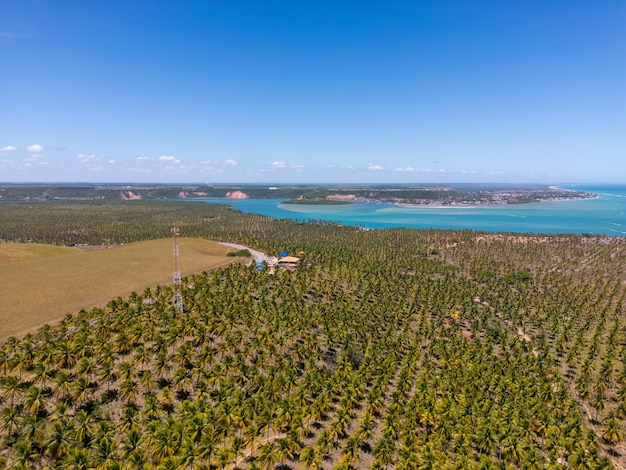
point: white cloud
(207, 166)
(83, 158)
(142, 157)
(8, 148)
(168, 158)
(230, 162)
(410, 169)
(277, 165)
(34, 148)
(374, 167)
(111, 162)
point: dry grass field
(10, 252)
(42, 283)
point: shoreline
(459, 205)
(492, 204)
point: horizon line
(262, 183)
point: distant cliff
(130, 196)
(236, 195)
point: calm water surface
(605, 215)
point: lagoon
(604, 215)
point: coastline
(599, 215)
(495, 204)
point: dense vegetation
(304, 194)
(245, 253)
(386, 348)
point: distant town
(448, 195)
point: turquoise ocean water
(605, 215)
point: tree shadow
(89, 406)
(163, 382)
(366, 447)
(109, 396)
(182, 395)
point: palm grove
(385, 349)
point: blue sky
(313, 91)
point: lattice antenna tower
(178, 297)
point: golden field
(42, 283)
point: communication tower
(178, 298)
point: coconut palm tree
(11, 416)
(77, 459)
(269, 455)
(83, 426)
(106, 457)
(57, 442)
(128, 391)
(11, 389)
(312, 457)
(83, 390)
(384, 451)
(613, 432)
(25, 455)
(34, 399)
